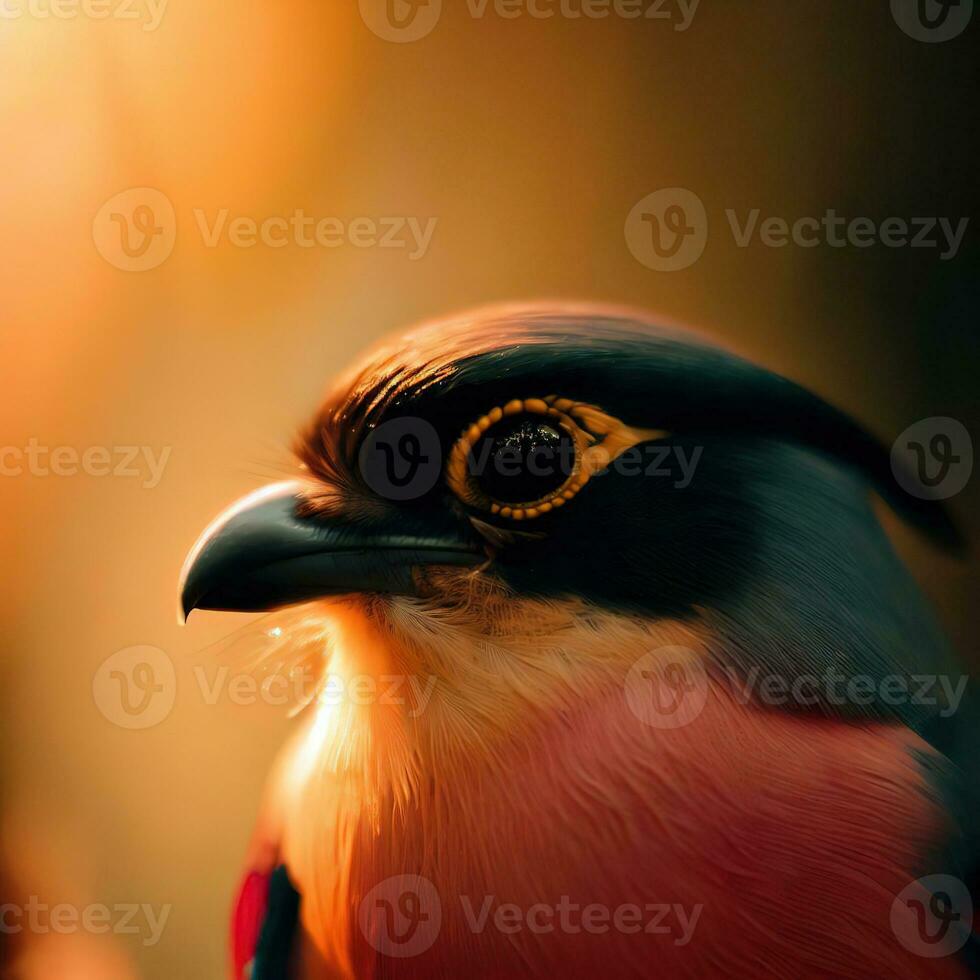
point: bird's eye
(528, 457)
(520, 460)
(523, 459)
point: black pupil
(521, 460)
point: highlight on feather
(288, 654)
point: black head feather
(644, 374)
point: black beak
(260, 555)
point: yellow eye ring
(584, 424)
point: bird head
(530, 469)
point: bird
(618, 672)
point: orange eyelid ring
(599, 439)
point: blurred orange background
(529, 141)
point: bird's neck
(415, 687)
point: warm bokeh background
(529, 140)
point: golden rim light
(598, 439)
